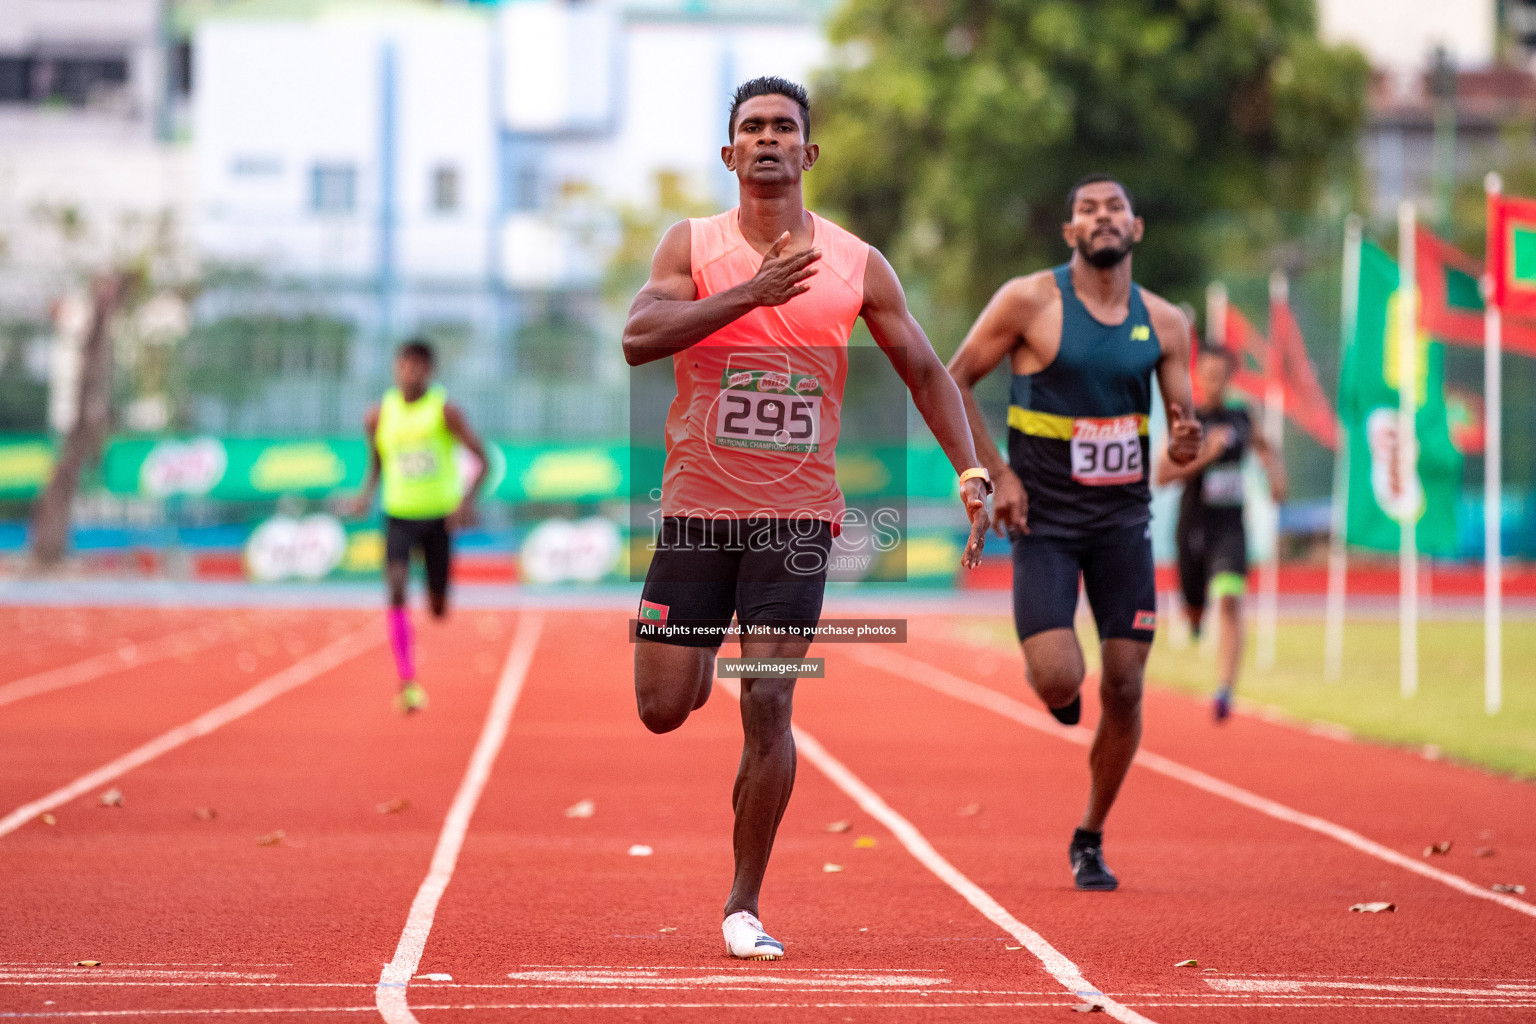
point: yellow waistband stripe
(1047, 424)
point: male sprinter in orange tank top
(754, 306)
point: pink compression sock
(400, 643)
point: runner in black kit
(1213, 547)
(1083, 342)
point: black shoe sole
(1069, 714)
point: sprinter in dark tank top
(1083, 342)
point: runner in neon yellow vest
(412, 435)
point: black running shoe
(1069, 714)
(1089, 870)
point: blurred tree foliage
(235, 358)
(951, 130)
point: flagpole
(1215, 336)
(1410, 494)
(1216, 314)
(1274, 433)
(1493, 451)
(1338, 548)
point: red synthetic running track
(549, 917)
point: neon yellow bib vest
(416, 456)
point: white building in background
(452, 143)
(89, 95)
(460, 170)
(1398, 36)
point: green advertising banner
(257, 469)
(26, 463)
(233, 469)
(1368, 407)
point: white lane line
(928, 1005)
(390, 994)
(951, 685)
(129, 655)
(1056, 964)
(295, 675)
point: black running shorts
(1206, 550)
(767, 572)
(1116, 570)
(430, 536)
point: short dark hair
(770, 85)
(1221, 352)
(1094, 179)
(417, 348)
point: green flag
(1368, 406)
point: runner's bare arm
(668, 315)
(1274, 466)
(360, 505)
(1173, 379)
(933, 390)
(1211, 449)
(993, 338)
(458, 426)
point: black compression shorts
(1207, 550)
(767, 572)
(1115, 568)
(431, 537)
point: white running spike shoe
(746, 940)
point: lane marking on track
(1056, 964)
(951, 685)
(1271, 986)
(926, 1004)
(128, 655)
(390, 993)
(292, 677)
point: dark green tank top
(1215, 494)
(1077, 430)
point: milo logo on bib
(1106, 451)
(768, 410)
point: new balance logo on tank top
(754, 425)
(1077, 430)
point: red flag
(1244, 341)
(1435, 260)
(1450, 300)
(1305, 402)
(1282, 358)
(1512, 255)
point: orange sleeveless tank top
(753, 429)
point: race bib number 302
(769, 410)
(1106, 452)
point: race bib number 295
(1106, 452)
(769, 411)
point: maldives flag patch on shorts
(650, 611)
(1145, 620)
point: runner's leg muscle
(671, 682)
(1119, 732)
(1053, 665)
(766, 774)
